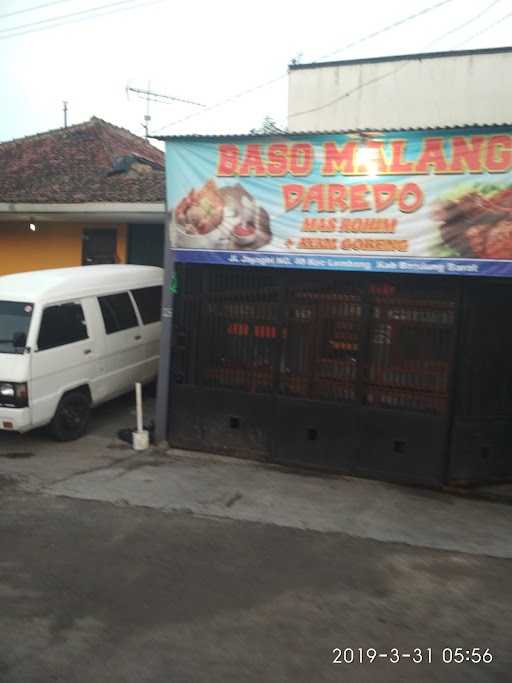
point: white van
(73, 338)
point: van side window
(61, 325)
(149, 303)
(118, 313)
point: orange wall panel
(52, 245)
(122, 243)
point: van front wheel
(71, 417)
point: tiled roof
(93, 161)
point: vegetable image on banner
(435, 202)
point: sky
(204, 52)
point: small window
(14, 323)
(118, 313)
(149, 303)
(61, 325)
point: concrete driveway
(101, 467)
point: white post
(138, 400)
(140, 438)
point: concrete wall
(441, 91)
(52, 245)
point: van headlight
(13, 394)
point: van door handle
(137, 337)
(87, 351)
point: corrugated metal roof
(398, 58)
(303, 133)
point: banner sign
(435, 202)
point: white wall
(442, 91)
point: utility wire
(470, 21)
(488, 28)
(221, 103)
(159, 101)
(85, 18)
(403, 64)
(32, 9)
(50, 20)
(159, 97)
(369, 36)
(387, 28)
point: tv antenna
(158, 98)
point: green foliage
(485, 189)
(268, 127)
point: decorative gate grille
(367, 342)
(410, 348)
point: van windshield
(14, 323)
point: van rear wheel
(71, 417)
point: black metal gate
(351, 372)
(482, 431)
(364, 375)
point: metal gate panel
(481, 450)
(482, 431)
(324, 435)
(237, 422)
(399, 446)
(334, 370)
(225, 335)
(322, 331)
(410, 346)
(187, 418)
(239, 329)
(221, 421)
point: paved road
(166, 569)
(96, 592)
